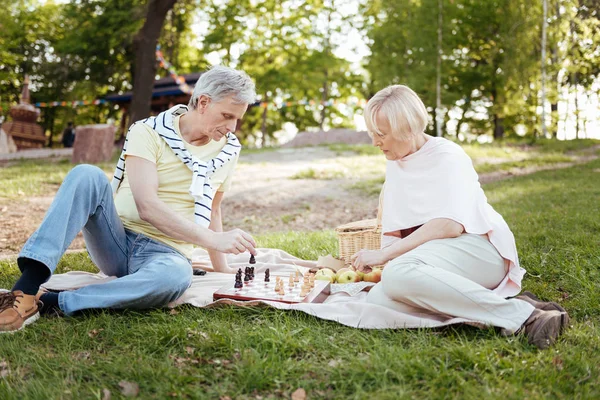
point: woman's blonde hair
(403, 109)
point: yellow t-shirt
(174, 180)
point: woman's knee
(401, 279)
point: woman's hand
(365, 259)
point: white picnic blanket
(348, 310)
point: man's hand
(365, 259)
(235, 241)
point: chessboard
(258, 289)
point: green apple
(325, 274)
(361, 275)
(348, 277)
(340, 272)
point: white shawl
(439, 181)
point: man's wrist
(208, 239)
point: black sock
(49, 301)
(34, 273)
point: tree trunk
(438, 79)
(144, 47)
(498, 120)
(554, 118)
(545, 14)
(324, 100)
(461, 121)
(576, 112)
(498, 127)
(263, 125)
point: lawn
(263, 353)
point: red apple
(373, 276)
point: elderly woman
(448, 252)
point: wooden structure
(165, 94)
(23, 128)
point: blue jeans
(149, 273)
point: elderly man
(168, 188)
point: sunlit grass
(264, 353)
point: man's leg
(83, 200)
(154, 281)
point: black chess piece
(252, 259)
(267, 275)
(238, 281)
(251, 273)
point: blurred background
(486, 69)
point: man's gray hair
(220, 82)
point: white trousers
(453, 278)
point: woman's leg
(452, 277)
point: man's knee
(87, 174)
(174, 275)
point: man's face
(219, 118)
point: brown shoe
(540, 305)
(543, 327)
(17, 310)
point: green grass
(369, 187)
(38, 177)
(264, 353)
(320, 173)
(546, 159)
(563, 146)
(359, 149)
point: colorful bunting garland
(70, 103)
(183, 86)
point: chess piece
(238, 280)
(252, 259)
(267, 275)
(297, 276)
(291, 282)
(251, 273)
(246, 275)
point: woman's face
(392, 148)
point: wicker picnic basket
(364, 234)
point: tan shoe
(17, 310)
(543, 327)
(537, 303)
